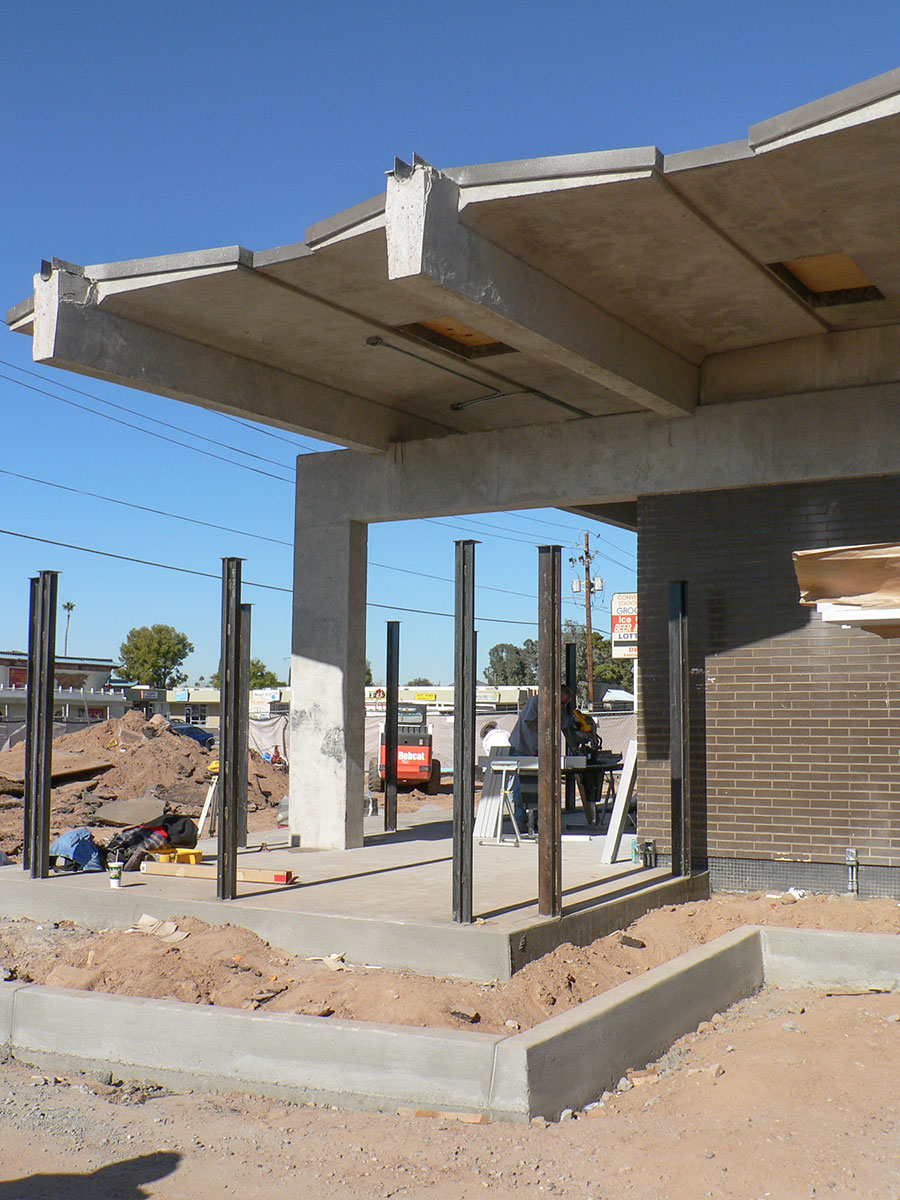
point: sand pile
(146, 758)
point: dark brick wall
(795, 724)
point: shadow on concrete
(116, 1181)
(594, 902)
(407, 866)
(422, 831)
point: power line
(599, 554)
(157, 512)
(271, 587)
(238, 449)
(522, 541)
(257, 428)
(240, 532)
(143, 416)
(149, 432)
(569, 529)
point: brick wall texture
(795, 724)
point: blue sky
(134, 130)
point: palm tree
(68, 606)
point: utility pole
(590, 585)
(588, 595)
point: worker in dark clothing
(523, 741)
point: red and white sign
(624, 627)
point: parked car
(203, 736)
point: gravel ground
(785, 1096)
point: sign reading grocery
(624, 627)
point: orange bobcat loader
(415, 765)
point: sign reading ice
(624, 628)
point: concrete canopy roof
(597, 284)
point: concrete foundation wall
(569, 1060)
(352, 1064)
(563, 1063)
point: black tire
(376, 783)
(433, 786)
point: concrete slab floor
(387, 902)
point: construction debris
(106, 772)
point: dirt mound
(226, 965)
(147, 759)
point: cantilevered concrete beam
(432, 251)
(71, 331)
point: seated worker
(524, 741)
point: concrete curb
(563, 1063)
(796, 958)
(569, 1060)
(354, 1064)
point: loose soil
(146, 759)
(226, 965)
(785, 1095)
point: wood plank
(64, 764)
(208, 871)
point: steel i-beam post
(464, 732)
(391, 688)
(549, 777)
(229, 735)
(679, 728)
(39, 721)
(244, 726)
(572, 685)
(30, 803)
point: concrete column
(327, 682)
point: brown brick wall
(795, 724)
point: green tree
(608, 671)
(510, 664)
(368, 673)
(260, 676)
(419, 681)
(152, 655)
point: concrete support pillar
(327, 683)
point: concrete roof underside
(591, 285)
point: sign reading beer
(624, 627)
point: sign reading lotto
(624, 626)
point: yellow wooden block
(179, 855)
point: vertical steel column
(464, 732)
(679, 729)
(244, 726)
(572, 685)
(391, 688)
(229, 732)
(39, 723)
(29, 805)
(549, 780)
